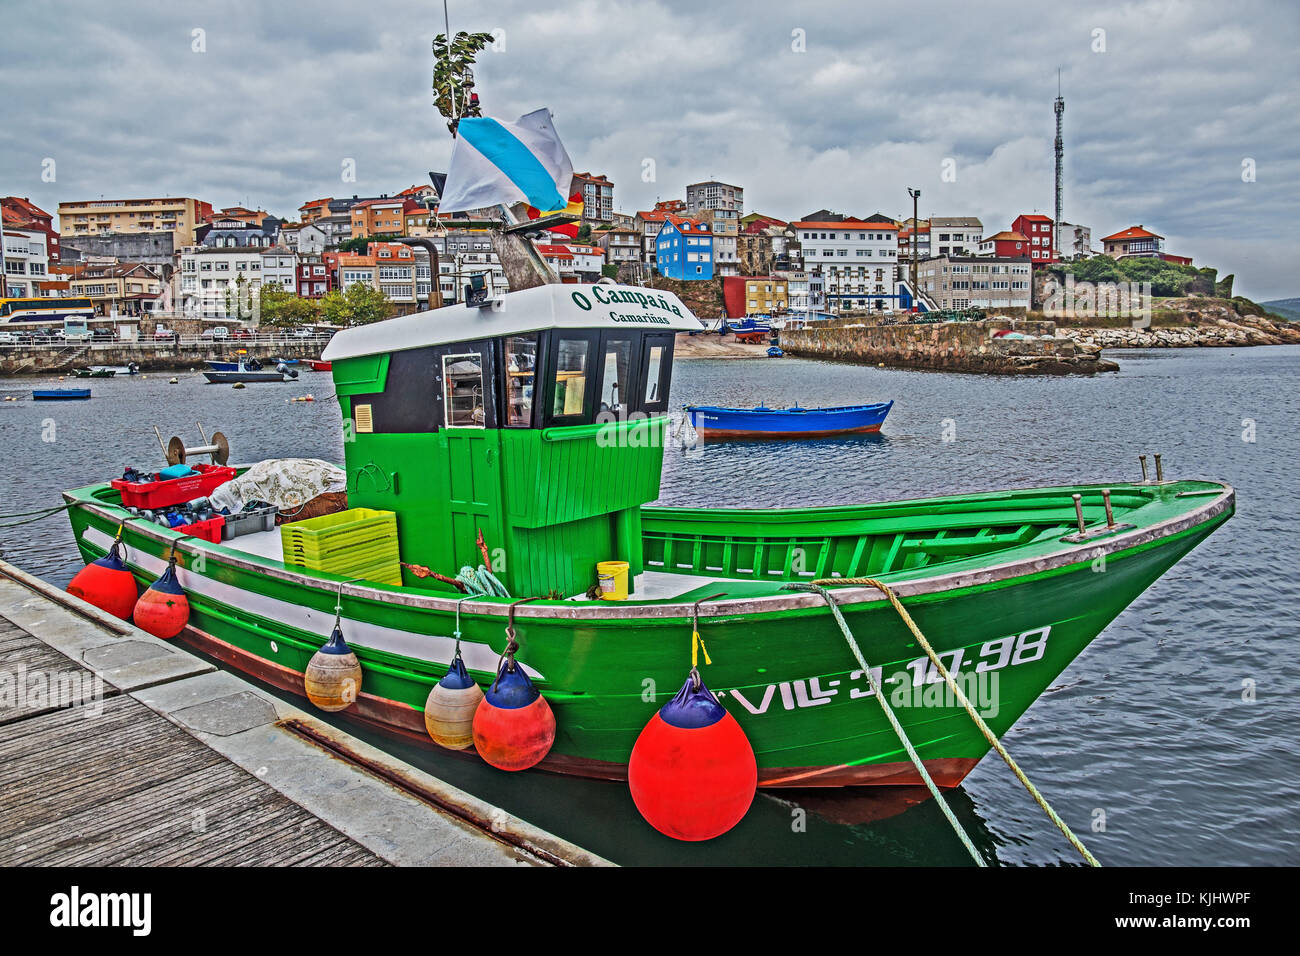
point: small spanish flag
(574, 208)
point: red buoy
(692, 772)
(107, 584)
(514, 726)
(163, 609)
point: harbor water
(1169, 741)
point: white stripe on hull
(435, 648)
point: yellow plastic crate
(359, 542)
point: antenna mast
(1059, 108)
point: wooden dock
(117, 749)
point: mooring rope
(42, 513)
(893, 720)
(481, 582)
(991, 737)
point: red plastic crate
(209, 530)
(164, 494)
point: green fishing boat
(540, 420)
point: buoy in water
(692, 772)
(449, 711)
(173, 381)
(514, 726)
(163, 609)
(238, 385)
(333, 676)
(107, 584)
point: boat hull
(220, 378)
(734, 424)
(780, 664)
(61, 395)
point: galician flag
(497, 162)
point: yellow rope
(697, 645)
(965, 702)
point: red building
(1038, 230)
(314, 278)
(1005, 245)
(19, 213)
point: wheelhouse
(538, 420)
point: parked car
(103, 335)
(241, 333)
(8, 338)
(304, 333)
(162, 333)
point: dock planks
(89, 780)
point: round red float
(692, 772)
(514, 726)
(163, 609)
(107, 584)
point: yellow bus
(46, 311)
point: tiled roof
(1036, 217)
(1007, 237)
(1132, 232)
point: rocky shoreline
(1199, 325)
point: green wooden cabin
(538, 419)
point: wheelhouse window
(656, 369)
(462, 378)
(520, 368)
(616, 394)
(572, 356)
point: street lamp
(916, 243)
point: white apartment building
(955, 235)
(27, 262)
(218, 282)
(461, 254)
(960, 282)
(280, 267)
(1073, 241)
(856, 261)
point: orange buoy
(692, 772)
(333, 676)
(514, 726)
(107, 584)
(163, 609)
(449, 711)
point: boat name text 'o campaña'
(626, 295)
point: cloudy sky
(1170, 106)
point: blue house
(684, 249)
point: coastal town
(180, 255)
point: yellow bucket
(612, 576)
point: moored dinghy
(712, 423)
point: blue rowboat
(59, 394)
(711, 422)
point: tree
(280, 307)
(361, 304)
(453, 80)
(358, 245)
(584, 232)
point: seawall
(952, 347)
(44, 359)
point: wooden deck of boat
(118, 749)
(109, 782)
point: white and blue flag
(495, 162)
